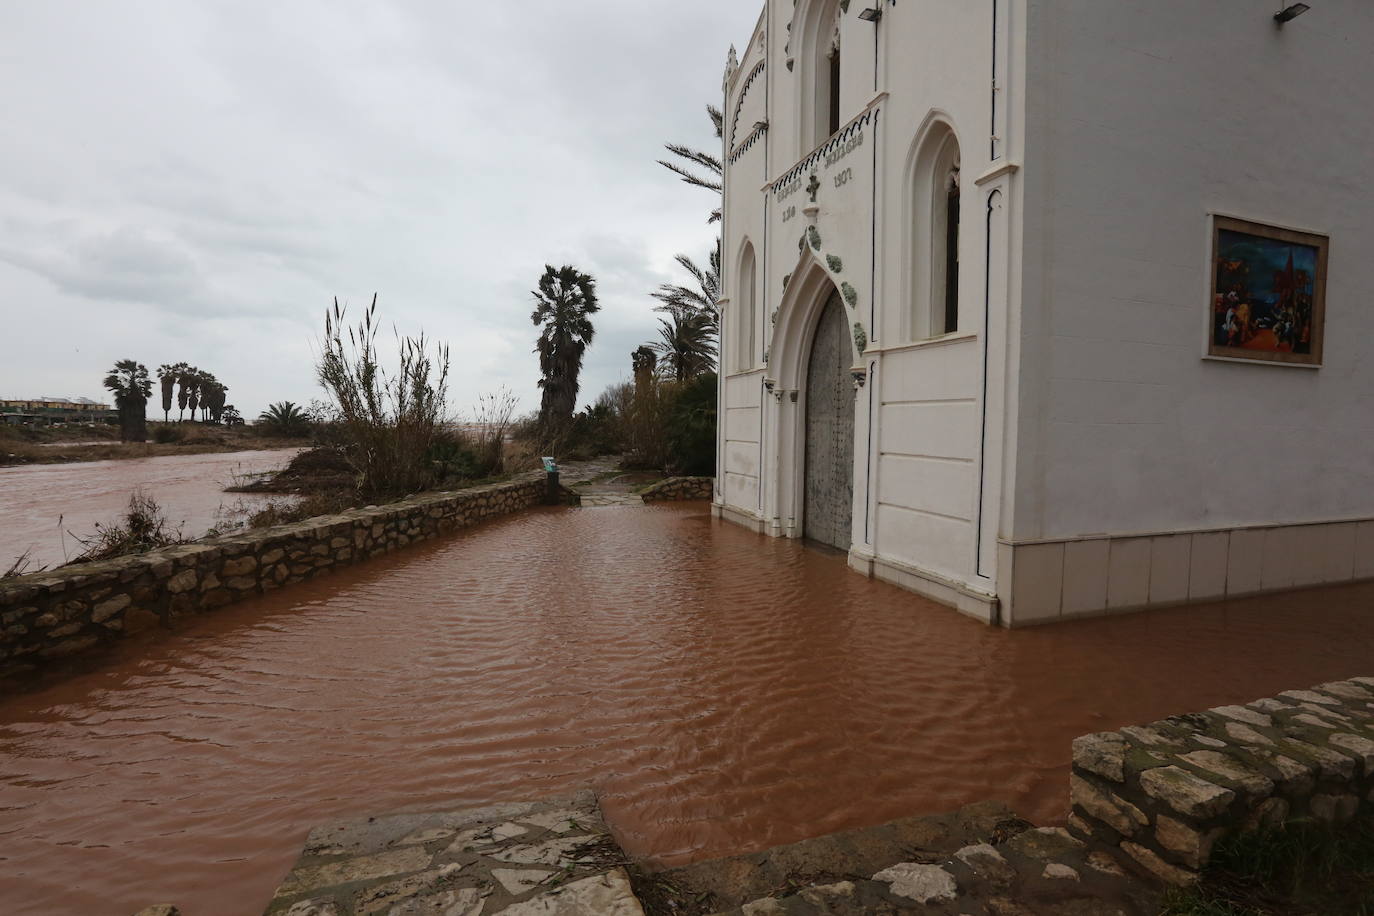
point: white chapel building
(1052, 308)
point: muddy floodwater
(721, 691)
(44, 508)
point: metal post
(554, 495)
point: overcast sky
(196, 181)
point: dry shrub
(388, 423)
(142, 527)
(331, 502)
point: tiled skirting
(1054, 580)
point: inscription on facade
(789, 213)
(785, 191)
(844, 149)
(843, 178)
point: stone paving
(550, 858)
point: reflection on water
(722, 691)
(45, 507)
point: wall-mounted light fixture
(872, 14)
(1288, 14)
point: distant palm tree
(564, 302)
(687, 344)
(128, 382)
(285, 418)
(713, 179)
(186, 382)
(167, 377)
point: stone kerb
(679, 488)
(70, 611)
(1165, 793)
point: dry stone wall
(1164, 793)
(70, 611)
(679, 488)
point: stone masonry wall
(69, 611)
(1166, 792)
(679, 488)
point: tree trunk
(133, 420)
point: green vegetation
(1304, 869)
(284, 419)
(128, 382)
(388, 422)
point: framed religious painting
(1268, 299)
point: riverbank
(22, 445)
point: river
(721, 691)
(45, 508)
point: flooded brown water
(722, 691)
(43, 505)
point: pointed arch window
(747, 311)
(935, 230)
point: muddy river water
(44, 508)
(721, 691)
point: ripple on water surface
(722, 691)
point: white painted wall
(1143, 116)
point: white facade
(1062, 445)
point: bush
(142, 528)
(389, 422)
(166, 434)
(691, 432)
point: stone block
(923, 883)
(1242, 714)
(182, 582)
(276, 555)
(107, 609)
(1103, 754)
(1231, 770)
(1271, 814)
(1151, 862)
(1192, 846)
(1185, 793)
(1362, 748)
(239, 567)
(1334, 809)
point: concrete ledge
(957, 595)
(739, 517)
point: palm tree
(713, 179)
(564, 302)
(186, 382)
(285, 419)
(129, 383)
(167, 377)
(687, 343)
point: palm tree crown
(713, 177)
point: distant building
(1028, 306)
(48, 409)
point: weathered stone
(825, 896)
(1118, 814)
(550, 852)
(1147, 736)
(464, 901)
(1150, 860)
(1103, 862)
(508, 831)
(1271, 814)
(563, 821)
(272, 556)
(1334, 809)
(1192, 846)
(318, 906)
(209, 583)
(107, 609)
(362, 868)
(1362, 748)
(1331, 764)
(1347, 690)
(1230, 769)
(1246, 735)
(44, 621)
(1060, 872)
(601, 895)
(161, 909)
(1242, 714)
(922, 883)
(1185, 793)
(1309, 719)
(380, 897)
(183, 581)
(518, 881)
(1205, 741)
(1045, 843)
(1308, 696)
(987, 863)
(1103, 753)
(242, 584)
(768, 906)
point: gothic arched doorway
(829, 490)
